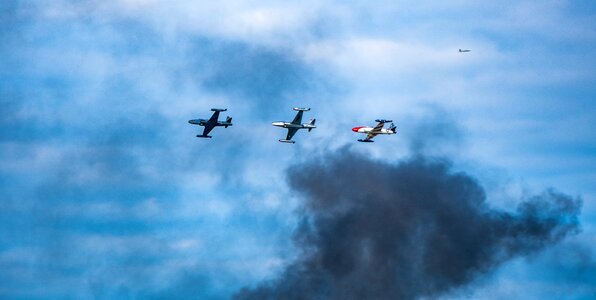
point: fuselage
(205, 122)
(367, 130)
(201, 122)
(290, 125)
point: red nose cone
(355, 129)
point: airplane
(211, 122)
(464, 50)
(295, 125)
(372, 132)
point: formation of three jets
(293, 126)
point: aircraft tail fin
(311, 123)
(392, 127)
(228, 122)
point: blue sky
(106, 193)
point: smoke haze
(373, 230)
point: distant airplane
(295, 125)
(464, 50)
(212, 122)
(372, 132)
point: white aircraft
(295, 125)
(372, 132)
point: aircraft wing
(213, 118)
(291, 132)
(298, 119)
(377, 128)
(207, 129)
(370, 136)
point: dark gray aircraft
(211, 123)
(464, 50)
(295, 125)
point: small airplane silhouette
(211, 122)
(464, 50)
(295, 125)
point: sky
(105, 192)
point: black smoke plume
(374, 230)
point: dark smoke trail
(373, 230)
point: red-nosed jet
(372, 132)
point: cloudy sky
(106, 193)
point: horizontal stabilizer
(366, 141)
(383, 121)
(204, 136)
(287, 141)
(219, 109)
(301, 109)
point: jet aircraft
(372, 132)
(211, 122)
(464, 50)
(295, 125)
